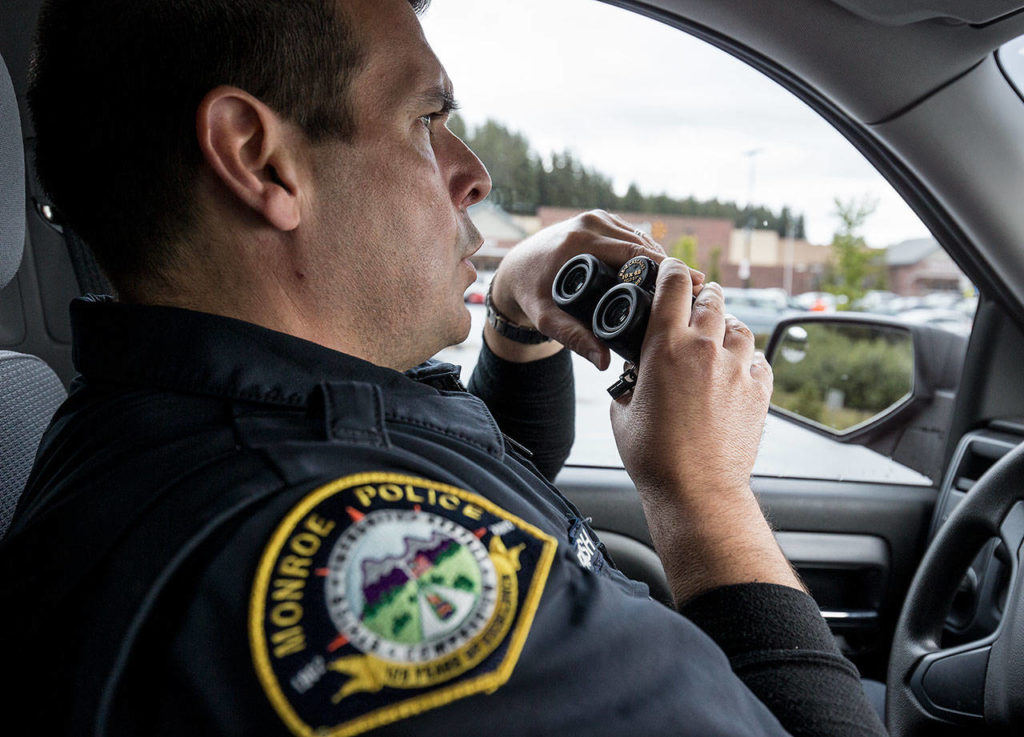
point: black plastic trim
(998, 444)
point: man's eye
(430, 118)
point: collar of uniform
(200, 353)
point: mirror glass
(842, 375)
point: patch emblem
(381, 596)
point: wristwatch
(508, 329)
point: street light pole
(787, 275)
(745, 262)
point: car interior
(922, 584)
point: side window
(578, 105)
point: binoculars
(617, 305)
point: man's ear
(253, 152)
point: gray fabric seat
(30, 391)
(29, 394)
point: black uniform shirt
(234, 531)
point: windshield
(726, 169)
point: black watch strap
(508, 329)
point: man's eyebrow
(439, 95)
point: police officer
(260, 512)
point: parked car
(952, 320)
(877, 301)
(759, 309)
(817, 301)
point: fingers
(709, 313)
(697, 277)
(628, 242)
(631, 232)
(673, 292)
(619, 221)
(605, 223)
(575, 336)
(615, 251)
(738, 339)
(761, 370)
(618, 248)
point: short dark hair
(114, 88)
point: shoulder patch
(380, 596)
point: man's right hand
(688, 435)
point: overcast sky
(643, 102)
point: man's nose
(470, 182)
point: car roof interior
(853, 62)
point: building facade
(919, 266)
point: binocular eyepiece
(617, 305)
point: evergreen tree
(523, 181)
(786, 222)
(633, 201)
(507, 156)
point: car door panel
(855, 545)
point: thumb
(673, 298)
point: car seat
(30, 391)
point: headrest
(12, 180)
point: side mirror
(869, 380)
(841, 376)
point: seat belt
(87, 272)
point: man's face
(391, 231)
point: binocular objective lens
(574, 280)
